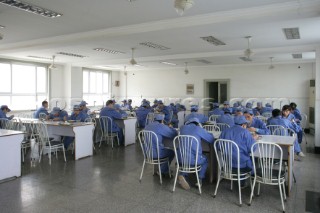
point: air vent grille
(213, 40)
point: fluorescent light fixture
(297, 55)
(291, 33)
(72, 55)
(1, 26)
(154, 46)
(204, 61)
(246, 59)
(168, 63)
(108, 51)
(213, 40)
(39, 57)
(31, 8)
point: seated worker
(142, 113)
(155, 104)
(162, 131)
(130, 105)
(286, 113)
(215, 110)
(239, 112)
(180, 107)
(194, 114)
(3, 112)
(193, 128)
(77, 115)
(117, 107)
(113, 114)
(168, 114)
(226, 105)
(297, 118)
(83, 107)
(42, 109)
(235, 107)
(255, 125)
(124, 104)
(249, 105)
(243, 138)
(58, 115)
(277, 119)
(267, 109)
(226, 118)
(258, 110)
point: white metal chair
(222, 126)
(5, 123)
(150, 118)
(212, 128)
(262, 118)
(149, 144)
(214, 118)
(276, 129)
(303, 124)
(48, 144)
(106, 130)
(183, 147)
(42, 116)
(267, 114)
(225, 151)
(267, 172)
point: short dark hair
(276, 112)
(109, 102)
(293, 105)
(44, 102)
(286, 107)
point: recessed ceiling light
(154, 46)
(297, 55)
(1, 26)
(213, 40)
(168, 63)
(39, 57)
(245, 59)
(31, 8)
(72, 55)
(109, 51)
(291, 33)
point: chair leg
(64, 154)
(22, 154)
(231, 187)
(252, 191)
(49, 154)
(258, 189)
(284, 191)
(294, 177)
(144, 162)
(281, 198)
(175, 179)
(160, 173)
(112, 142)
(40, 154)
(305, 137)
(199, 186)
(239, 186)
(169, 169)
(216, 190)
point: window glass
(41, 80)
(23, 79)
(5, 73)
(85, 82)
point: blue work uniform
(257, 111)
(244, 140)
(40, 110)
(162, 131)
(142, 114)
(292, 118)
(113, 114)
(60, 115)
(287, 124)
(3, 115)
(260, 126)
(226, 119)
(201, 135)
(201, 117)
(266, 110)
(167, 116)
(216, 111)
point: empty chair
(222, 126)
(225, 150)
(214, 118)
(184, 154)
(275, 129)
(266, 171)
(47, 144)
(150, 151)
(106, 130)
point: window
(23, 86)
(96, 87)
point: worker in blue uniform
(258, 109)
(84, 108)
(58, 115)
(130, 105)
(162, 131)
(239, 112)
(267, 109)
(249, 105)
(215, 110)
(77, 115)
(277, 119)
(193, 128)
(124, 104)
(255, 125)
(3, 112)
(168, 114)
(226, 105)
(113, 114)
(42, 109)
(297, 118)
(243, 138)
(155, 104)
(194, 114)
(117, 107)
(235, 107)
(142, 113)
(226, 118)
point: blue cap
(194, 107)
(239, 110)
(236, 104)
(259, 103)
(215, 104)
(129, 100)
(268, 105)
(227, 110)
(249, 111)
(117, 106)
(83, 103)
(76, 107)
(249, 105)
(240, 120)
(193, 120)
(144, 104)
(155, 101)
(55, 110)
(160, 102)
(5, 107)
(124, 101)
(171, 104)
(159, 117)
(226, 103)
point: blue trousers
(297, 147)
(163, 154)
(300, 134)
(120, 135)
(67, 141)
(204, 165)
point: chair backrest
(222, 126)
(17, 125)
(183, 148)
(106, 124)
(267, 114)
(149, 118)
(42, 132)
(214, 118)
(262, 118)
(276, 129)
(304, 120)
(147, 139)
(42, 116)
(225, 150)
(211, 128)
(5, 123)
(88, 120)
(266, 153)
(285, 132)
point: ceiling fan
(52, 65)
(132, 61)
(248, 52)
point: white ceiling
(121, 25)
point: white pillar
(317, 102)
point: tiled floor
(109, 182)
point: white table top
(5, 132)
(280, 140)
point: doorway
(216, 91)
